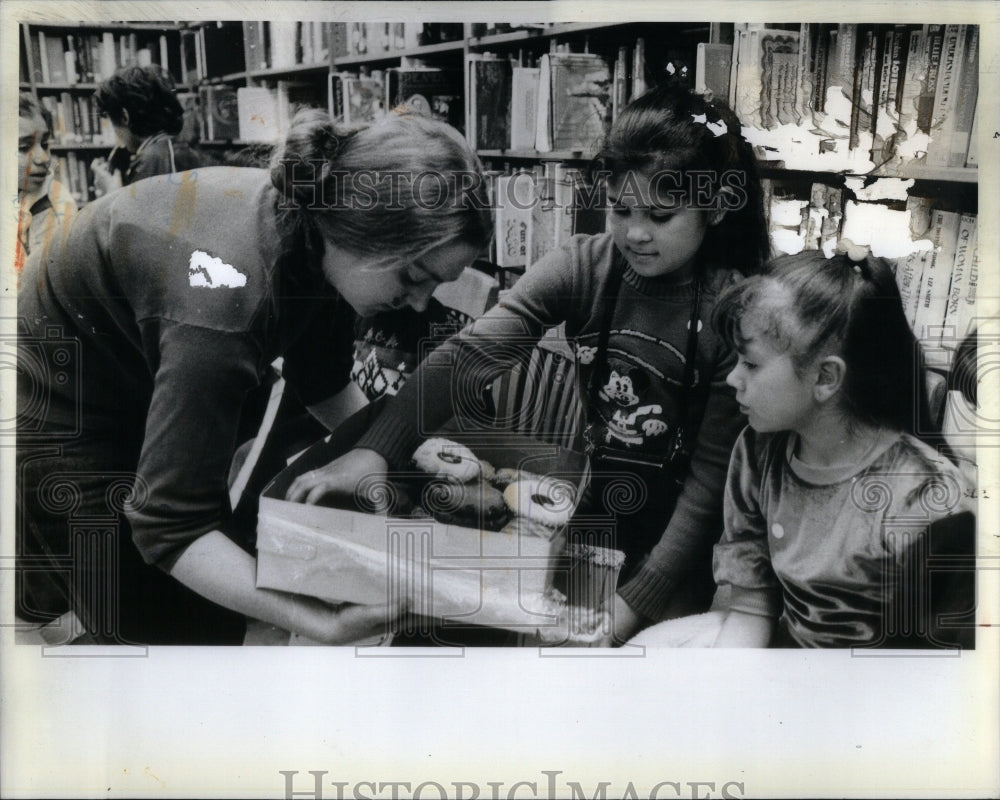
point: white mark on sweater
(210, 272)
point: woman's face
(373, 285)
(33, 158)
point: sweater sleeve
(742, 558)
(696, 522)
(201, 379)
(455, 379)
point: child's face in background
(769, 390)
(32, 153)
(658, 234)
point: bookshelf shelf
(534, 155)
(915, 172)
(66, 87)
(65, 148)
(114, 27)
(456, 46)
(275, 72)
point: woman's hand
(340, 476)
(104, 179)
(344, 624)
(625, 623)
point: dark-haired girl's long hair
(670, 128)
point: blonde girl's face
(770, 392)
(658, 233)
(373, 285)
(33, 159)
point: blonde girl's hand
(341, 476)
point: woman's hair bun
(312, 137)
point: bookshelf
(788, 99)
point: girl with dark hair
(833, 504)
(142, 104)
(168, 303)
(45, 205)
(685, 221)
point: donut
(549, 501)
(443, 458)
(471, 505)
(505, 476)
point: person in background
(835, 506)
(142, 104)
(685, 220)
(44, 204)
(174, 320)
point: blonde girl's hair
(391, 191)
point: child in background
(685, 221)
(44, 203)
(832, 500)
(146, 115)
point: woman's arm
(219, 570)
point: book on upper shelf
(712, 66)
(223, 49)
(936, 280)
(514, 198)
(523, 107)
(435, 93)
(490, 98)
(574, 102)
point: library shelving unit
(63, 64)
(302, 62)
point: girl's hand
(340, 476)
(104, 179)
(344, 624)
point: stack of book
(76, 119)
(284, 45)
(562, 105)
(864, 96)
(91, 57)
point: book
(191, 127)
(490, 96)
(53, 56)
(523, 107)
(956, 322)
(363, 99)
(254, 46)
(574, 102)
(972, 156)
(257, 113)
(945, 95)
(713, 63)
(910, 268)
(514, 200)
(931, 59)
(432, 92)
(937, 276)
(335, 96)
(541, 233)
(965, 105)
(638, 69)
(283, 40)
(964, 315)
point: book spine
(964, 249)
(965, 316)
(943, 114)
(937, 276)
(972, 157)
(933, 38)
(965, 105)
(805, 75)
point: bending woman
(144, 331)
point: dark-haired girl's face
(33, 158)
(656, 230)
